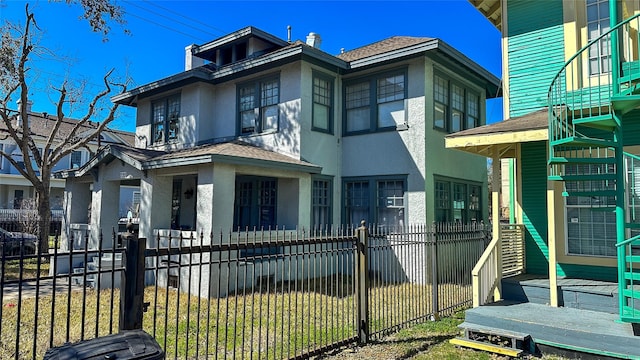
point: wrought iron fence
(271, 294)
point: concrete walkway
(11, 292)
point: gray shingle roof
(41, 125)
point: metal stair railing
(576, 92)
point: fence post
(434, 271)
(362, 286)
(132, 284)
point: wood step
(478, 345)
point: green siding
(602, 273)
(631, 124)
(534, 205)
(536, 52)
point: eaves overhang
(228, 72)
(488, 145)
(232, 160)
(131, 97)
(492, 82)
(250, 31)
(491, 9)
(105, 155)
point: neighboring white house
(262, 132)
(14, 188)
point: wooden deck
(562, 328)
(573, 293)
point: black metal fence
(252, 294)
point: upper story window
(165, 119)
(322, 103)
(387, 91)
(258, 106)
(455, 108)
(597, 24)
(76, 160)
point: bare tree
(17, 48)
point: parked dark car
(11, 241)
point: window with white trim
(590, 231)
(258, 106)
(597, 24)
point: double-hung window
(376, 200)
(457, 201)
(387, 91)
(165, 119)
(590, 231)
(321, 203)
(597, 24)
(455, 107)
(258, 106)
(322, 103)
(76, 160)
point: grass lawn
(426, 341)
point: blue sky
(160, 30)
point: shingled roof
(234, 152)
(536, 120)
(383, 46)
(40, 125)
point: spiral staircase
(594, 111)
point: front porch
(558, 329)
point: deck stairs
(586, 147)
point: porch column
(104, 211)
(551, 243)
(216, 193)
(76, 201)
(155, 204)
(304, 201)
(496, 187)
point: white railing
(503, 257)
(513, 260)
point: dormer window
(165, 119)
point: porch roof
(501, 136)
(235, 152)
